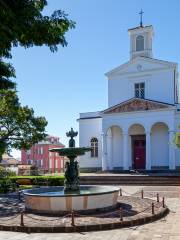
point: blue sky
(60, 85)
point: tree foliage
(22, 23)
(19, 128)
(177, 139)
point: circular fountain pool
(55, 200)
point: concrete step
(130, 180)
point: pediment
(137, 104)
(140, 65)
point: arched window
(140, 43)
(94, 146)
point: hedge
(39, 180)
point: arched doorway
(138, 146)
(114, 148)
(159, 145)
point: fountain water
(72, 195)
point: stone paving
(167, 228)
(135, 211)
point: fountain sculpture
(71, 182)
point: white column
(148, 150)
(125, 151)
(109, 152)
(104, 152)
(172, 162)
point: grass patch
(24, 187)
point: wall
(159, 84)
(39, 155)
(89, 128)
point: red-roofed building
(40, 156)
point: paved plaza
(167, 228)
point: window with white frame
(94, 147)
(139, 90)
(140, 43)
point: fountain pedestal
(71, 182)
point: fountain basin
(71, 151)
(53, 200)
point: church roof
(139, 27)
(137, 104)
(140, 59)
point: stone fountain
(59, 200)
(71, 182)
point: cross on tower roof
(141, 15)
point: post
(157, 197)
(72, 218)
(22, 219)
(120, 192)
(163, 202)
(142, 194)
(152, 208)
(121, 214)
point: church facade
(137, 129)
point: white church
(137, 129)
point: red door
(139, 154)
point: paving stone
(168, 229)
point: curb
(87, 228)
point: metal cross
(141, 14)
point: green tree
(177, 139)
(19, 128)
(23, 24)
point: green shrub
(5, 173)
(6, 185)
(39, 180)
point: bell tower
(141, 40)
